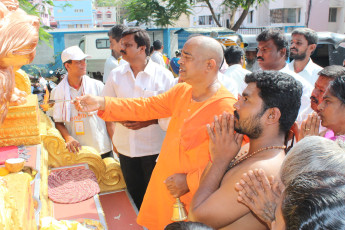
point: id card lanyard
(79, 125)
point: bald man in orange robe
(191, 106)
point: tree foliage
(106, 3)
(165, 12)
(160, 12)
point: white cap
(73, 53)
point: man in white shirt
(272, 55)
(234, 58)
(303, 44)
(251, 63)
(77, 128)
(115, 34)
(137, 143)
(157, 55)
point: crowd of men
(229, 151)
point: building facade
(105, 16)
(201, 15)
(77, 14)
(320, 15)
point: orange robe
(185, 147)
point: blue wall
(79, 13)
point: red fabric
(7, 153)
(72, 185)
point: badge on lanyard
(79, 127)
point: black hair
(157, 45)
(151, 50)
(337, 88)
(309, 34)
(68, 61)
(233, 55)
(278, 38)
(141, 37)
(278, 90)
(332, 71)
(189, 225)
(315, 200)
(116, 32)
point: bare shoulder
(270, 163)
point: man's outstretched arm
(129, 109)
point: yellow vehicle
(233, 40)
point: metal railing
(257, 30)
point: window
(332, 17)
(99, 16)
(286, 15)
(207, 19)
(86, 25)
(291, 15)
(70, 26)
(250, 17)
(108, 14)
(78, 10)
(102, 43)
(202, 20)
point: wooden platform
(120, 211)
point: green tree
(161, 12)
(165, 12)
(107, 3)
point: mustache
(236, 114)
(260, 58)
(123, 52)
(314, 99)
(294, 49)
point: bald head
(209, 48)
